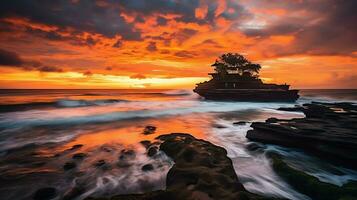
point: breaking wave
(178, 92)
(81, 103)
(61, 103)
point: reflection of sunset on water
(131, 133)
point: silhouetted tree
(236, 62)
(220, 67)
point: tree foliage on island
(236, 62)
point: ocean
(41, 130)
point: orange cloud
(146, 44)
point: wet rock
(218, 126)
(240, 123)
(100, 163)
(45, 193)
(123, 164)
(69, 166)
(79, 156)
(152, 151)
(75, 147)
(67, 151)
(147, 167)
(56, 155)
(106, 149)
(149, 130)
(125, 158)
(296, 108)
(272, 120)
(328, 131)
(201, 171)
(254, 147)
(310, 185)
(127, 154)
(146, 143)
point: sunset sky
(171, 43)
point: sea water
(38, 128)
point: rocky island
(237, 79)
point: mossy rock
(202, 171)
(310, 185)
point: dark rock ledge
(329, 130)
(311, 186)
(202, 171)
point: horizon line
(151, 89)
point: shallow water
(38, 128)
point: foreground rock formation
(328, 130)
(311, 186)
(202, 171)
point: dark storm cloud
(235, 11)
(211, 43)
(184, 8)
(86, 16)
(74, 38)
(104, 17)
(333, 32)
(12, 59)
(49, 69)
(161, 21)
(328, 28)
(183, 34)
(283, 28)
(90, 41)
(185, 54)
(8, 58)
(151, 47)
(334, 35)
(50, 35)
(118, 44)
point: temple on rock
(237, 79)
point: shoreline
(80, 163)
(198, 158)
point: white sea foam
(253, 170)
(137, 110)
(80, 103)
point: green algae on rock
(310, 185)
